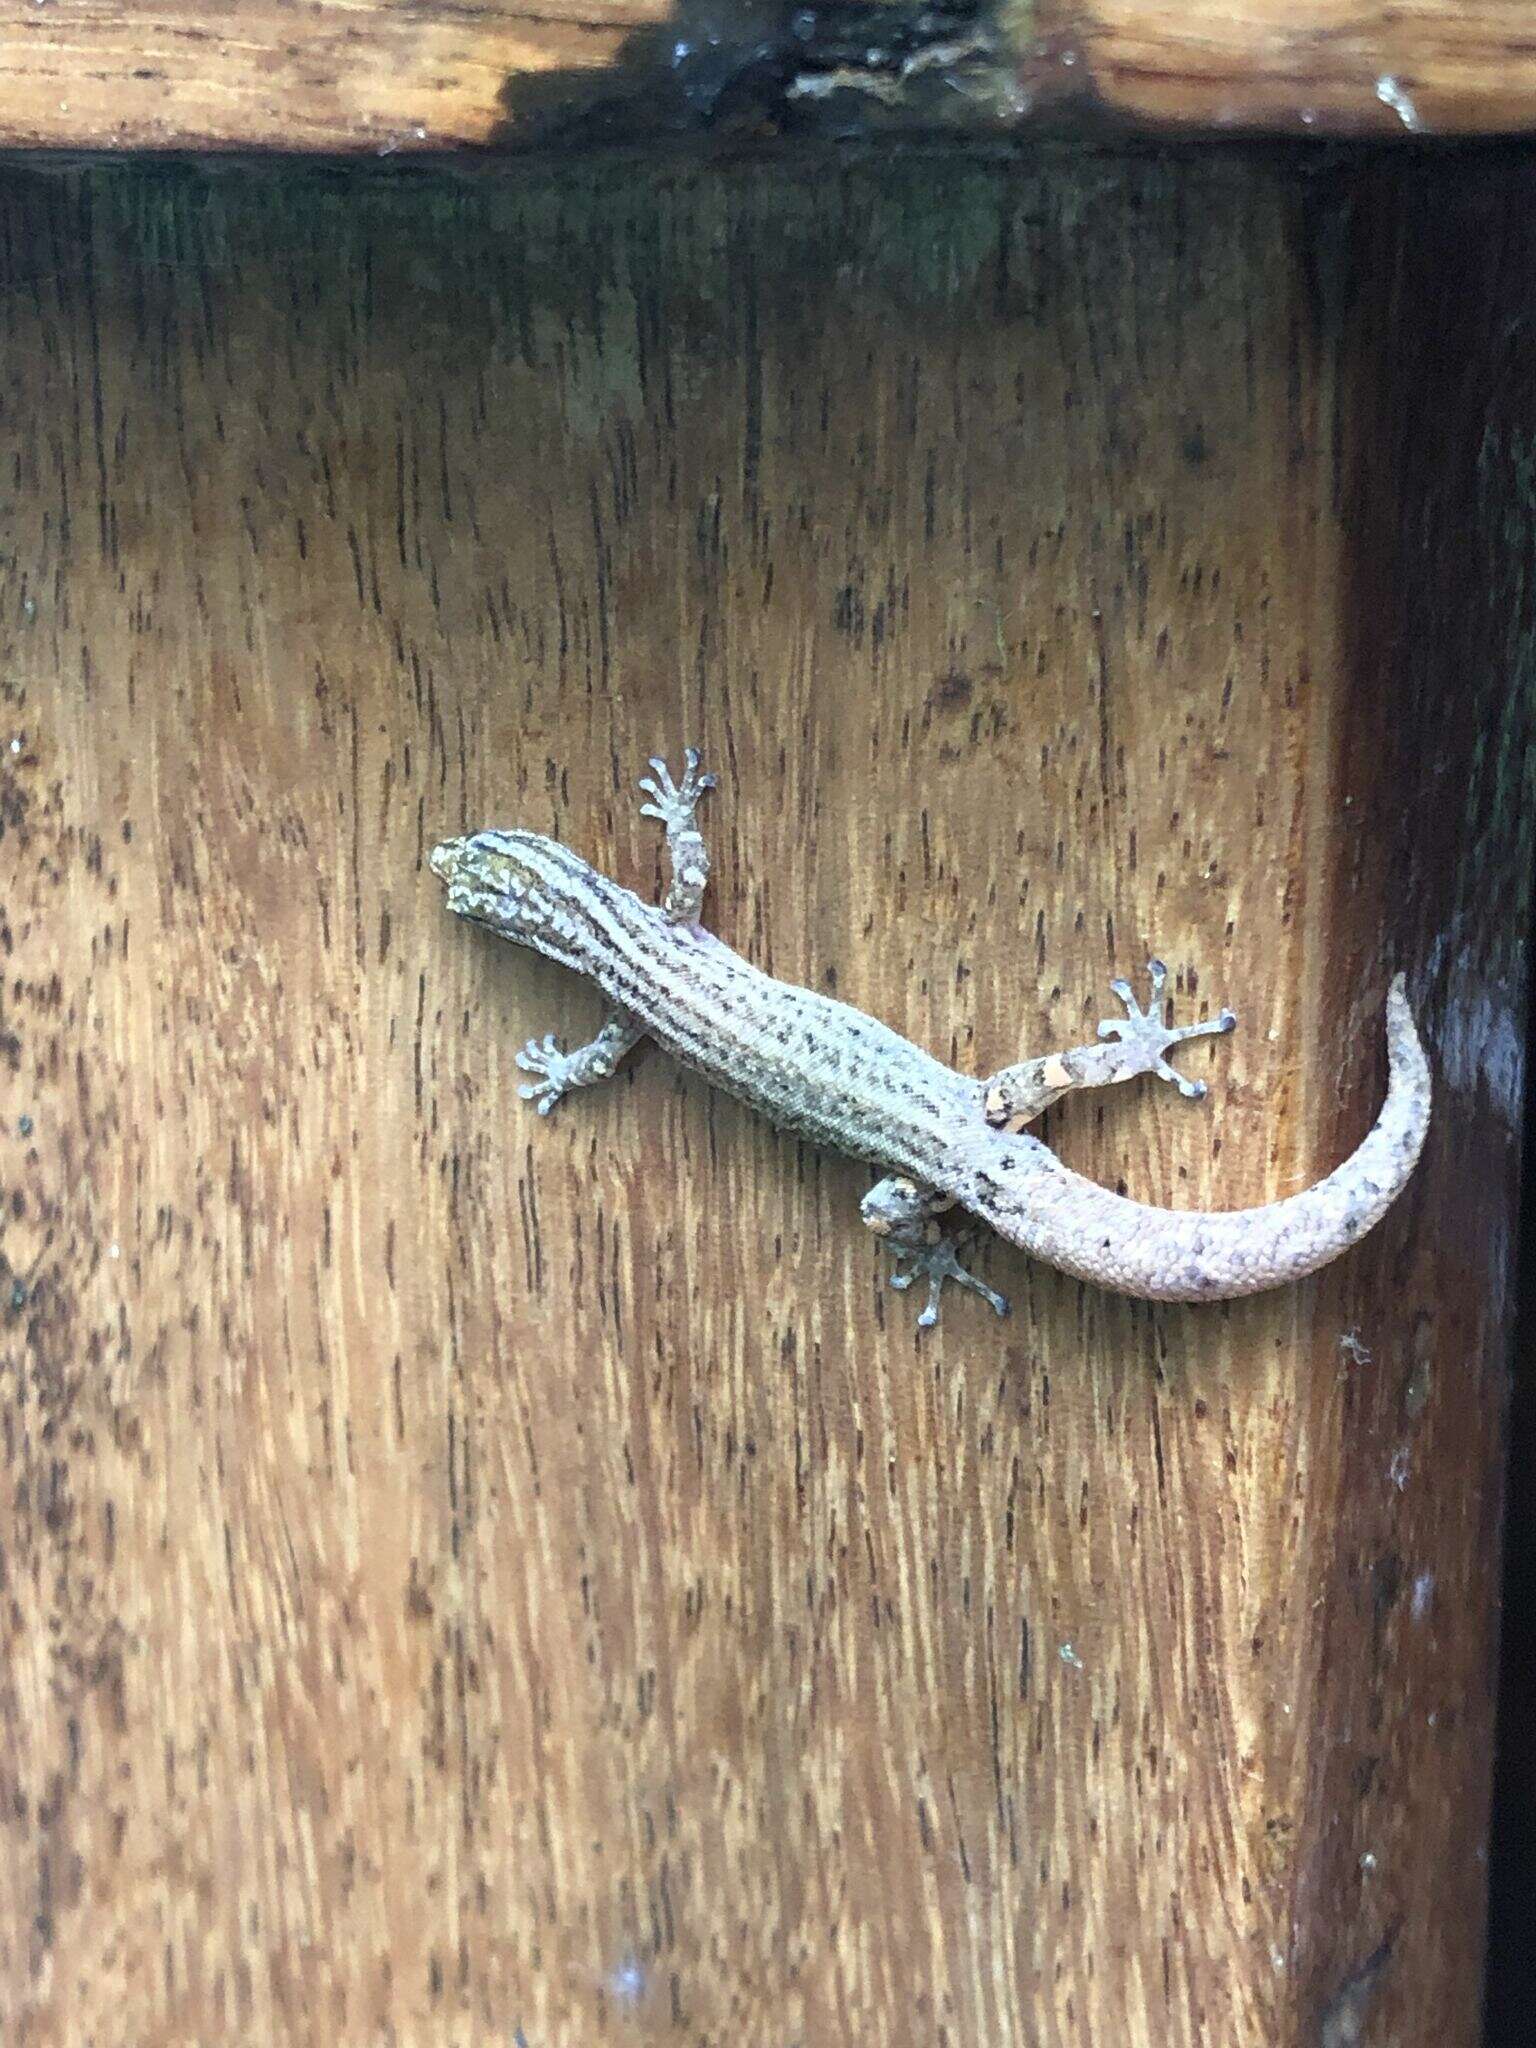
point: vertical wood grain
(468, 1578)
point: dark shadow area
(1511, 2008)
(1422, 267)
(756, 69)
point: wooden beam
(469, 1577)
(393, 77)
(1430, 67)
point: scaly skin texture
(840, 1078)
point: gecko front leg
(905, 1217)
(674, 804)
(560, 1071)
(1138, 1043)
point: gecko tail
(1172, 1255)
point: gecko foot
(554, 1068)
(674, 803)
(905, 1217)
(936, 1263)
(1148, 1034)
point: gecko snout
(443, 860)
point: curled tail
(1169, 1255)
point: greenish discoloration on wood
(917, 230)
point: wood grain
(366, 75)
(1426, 67)
(390, 77)
(475, 1579)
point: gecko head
(504, 879)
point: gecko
(945, 1141)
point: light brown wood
(356, 75)
(469, 1578)
(1426, 67)
(392, 77)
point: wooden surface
(389, 77)
(471, 1579)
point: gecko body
(832, 1074)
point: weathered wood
(469, 1578)
(1430, 67)
(411, 76)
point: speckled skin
(1203, 1255)
(840, 1078)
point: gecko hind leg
(674, 803)
(1137, 1043)
(905, 1217)
(1149, 1036)
(559, 1071)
